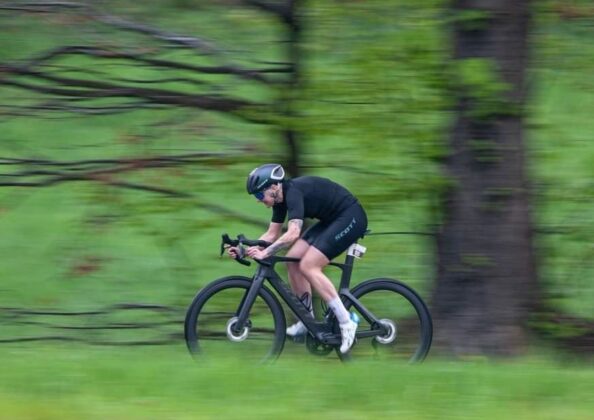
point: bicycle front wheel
(404, 318)
(210, 321)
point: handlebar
(239, 243)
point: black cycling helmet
(264, 176)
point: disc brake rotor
(234, 336)
(390, 336)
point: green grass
(55, 382)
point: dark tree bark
(289, 14)
(486, 277)
(291, 135)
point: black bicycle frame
(321, 330)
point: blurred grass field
(71, 382)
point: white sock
(339, 310)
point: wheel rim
(399, 311)
(210, 333)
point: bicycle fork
(243, 311)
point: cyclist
(341, 221)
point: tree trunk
(486, 277)
(291, 135)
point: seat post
(347, 269)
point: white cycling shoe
(348, 331)
(296, 329)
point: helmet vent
(278, 173)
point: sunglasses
(259, 195)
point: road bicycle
(239, 316)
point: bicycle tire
(207, 320)
(403, 310)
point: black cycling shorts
(334, 237)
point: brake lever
(240, 257)
(225, 239)
(241, 253)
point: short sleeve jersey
(312, 197)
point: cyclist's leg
(299, 283)
(311, 266)
(332, 241)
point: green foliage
(480, 80)
(374, 114)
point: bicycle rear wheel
(210, 320)
(405, 317)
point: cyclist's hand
(232, 251)
(256, 253)
(250, 248)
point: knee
(303, 267)
(307, 268)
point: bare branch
(213, 208)
(71, 87)
(183, 40)
(62, 106)
(148, 188)
(96, 169)
(139, 162)
(283, 10)
(195, 43)
(268, 6)
(99, 170)
(140, 57)
(160, 81)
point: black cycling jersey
(342, 220)
(312, 197)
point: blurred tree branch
(161, 320)
(91, 12)
(143, 57)
(36, 173)
(90, 89)
(284, 10)
(44, 75)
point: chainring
(316, 347)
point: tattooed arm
(273, 233)
(287, 239)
